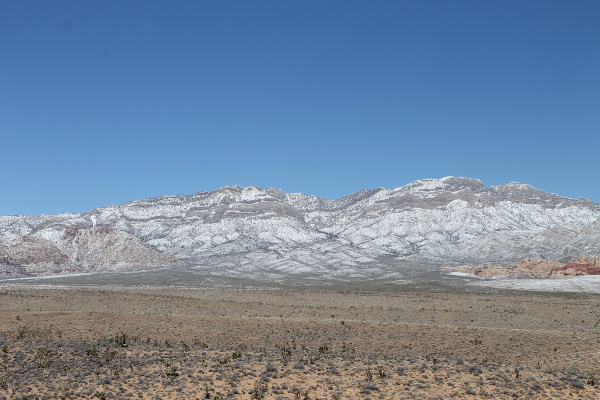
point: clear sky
(102, 102)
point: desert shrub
(44, 357)
(573, 381)
(172, 371)
(474, 369)
(368, 374)
(286, 351)
(591, 380)
(91, 351)
(22, 332)
(271, 368)
(120, 339)
(109, 354)
(259, 391)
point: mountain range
(267, 233)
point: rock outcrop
(76, 250)
(579, 266)
(535, 267)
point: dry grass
(164, 344)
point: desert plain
(164, 343)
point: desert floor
(240, 344)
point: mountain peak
(514, 186)
(429, 187)
(448, 183)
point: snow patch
(583, 284)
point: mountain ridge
(248, 231)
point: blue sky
(102, 102)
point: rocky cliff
(535, 268)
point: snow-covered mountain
(267, 232)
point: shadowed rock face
(77, 250)
(244, 231)
(28, 255)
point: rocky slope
(72, 250)
(535, 268)
(253, 231)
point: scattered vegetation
(294, 361)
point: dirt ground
(235, 344)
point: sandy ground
(234, 344)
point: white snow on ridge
(447, 220)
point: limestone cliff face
(28, 255)
(75, 250)
(109, 249)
